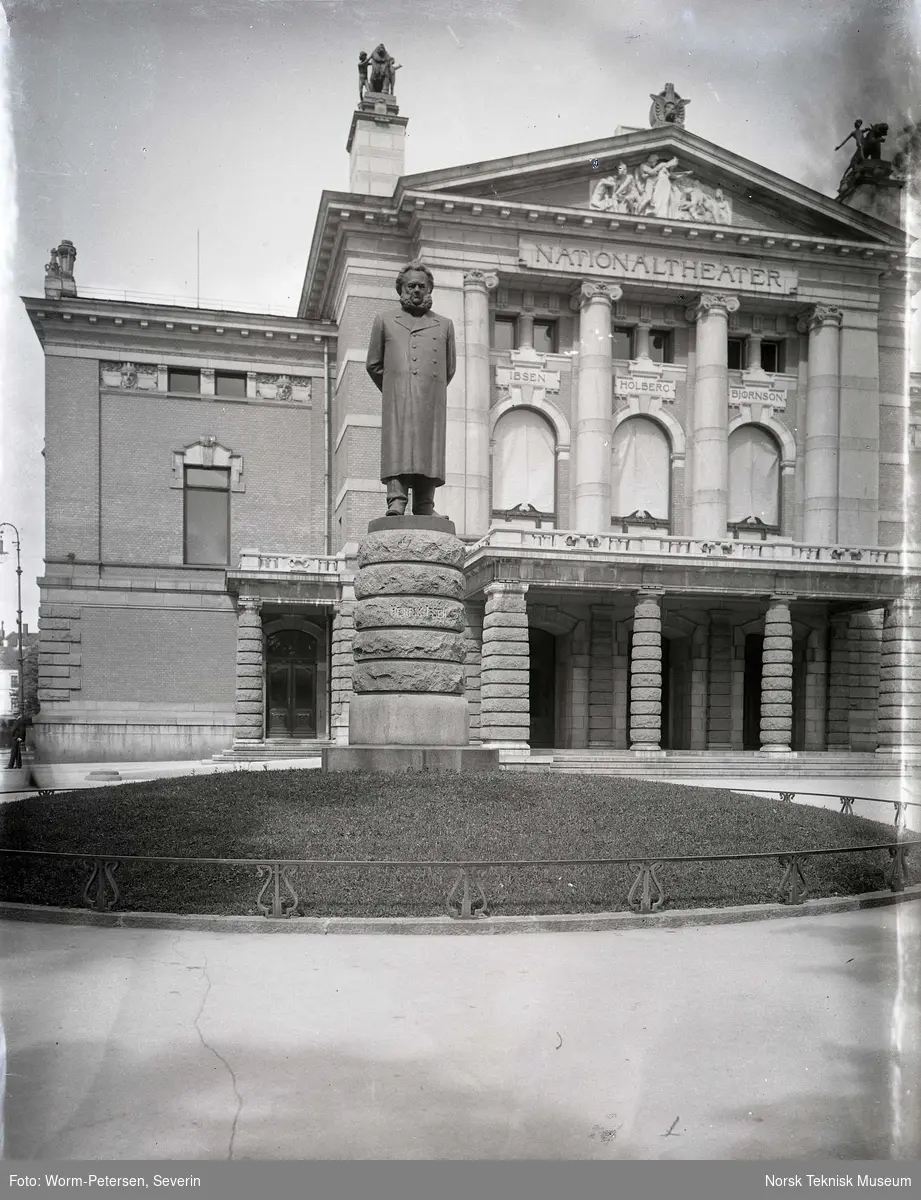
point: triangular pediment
(664, 174)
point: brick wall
(281, 508)
(71, 480)
(159, 656)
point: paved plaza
(782, 1038)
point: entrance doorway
(291, 684)
(751, 697)
(542, 647)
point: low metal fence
(466, 899)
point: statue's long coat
(412, 360)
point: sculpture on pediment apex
(383, 70)
(667, 107)
(867, 164)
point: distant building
(9, 668)
(678, 440)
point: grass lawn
(305, 814)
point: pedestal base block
(408, 719)
(407, 760)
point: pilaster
(505, 707)
(250, 693)
(646, 673)
(477, 286)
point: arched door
(291, 684)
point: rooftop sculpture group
(867, 164)
(377, 72)
(656, 189)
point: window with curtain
(754, 476)
(640, 470)
(524, 463)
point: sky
(134, 127)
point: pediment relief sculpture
(658, 188)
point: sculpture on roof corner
(667, 108)
(867, 164)
(411, 359)
(376, 72)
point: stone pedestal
(410, 643)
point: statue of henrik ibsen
(411, 358)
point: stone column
(641, 341)
(646, 673)
(820, 470)
(839, 682)
(719, 702)
(900, 678)
(777, 677)
(340, 677)
(526, 330)
(594, 407)
(477, 286)
(250, 704)
(601, 678)
(505, 701)
(410, 642)
(709, 498)
(580, 667)
(700, 672)
(753, 352)
(816, 690)
(865, 640)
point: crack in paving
(217, 1054)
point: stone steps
(280, 748)
(708, 764)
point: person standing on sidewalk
(18, 734)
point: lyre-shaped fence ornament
(899, 821)
(100, 891)
(793, 888)
(788, 796)
(471, 904)
(278, 905)
(896, 869)
(847, 806)
(640, 896)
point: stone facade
(676, 461)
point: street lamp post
(22, 679)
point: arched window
(640, 469)
(754, 477)
(524, 467)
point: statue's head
(652, 160)
(621, 169)
(362, 56)
(380, 51)
(415, 284)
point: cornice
(116, 325)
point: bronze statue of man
(411, 358)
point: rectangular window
(545, 341)
(231, 384)
(207, 516)
(506, 333)
(622, 342)
(735, 353)
(660, 346)
(183, 380)
(772, 358)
